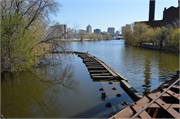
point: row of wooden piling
(99, 70)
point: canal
(64, 89)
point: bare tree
(32, 10)
(25, 19)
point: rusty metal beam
(154, 99)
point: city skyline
(87, 29)
(115, 13)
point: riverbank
(157, 47)
(66, 84)
(78, 40)
(160, 37)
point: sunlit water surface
(65, 89)
(145, 69)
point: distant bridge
(118, 37)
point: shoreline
(161, 49)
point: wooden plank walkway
(163, 102)
(99, 70)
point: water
(145, 69)
(66, 90)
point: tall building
(97, 31)
(117, 32)
(111, 30)
(58, 30)
(170, 15)
(151, 10)
(88, 29)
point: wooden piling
(99, 70)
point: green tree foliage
(172, 40)
(15, 44)
(81, 35)
(107, 37)
(23, 26)
(99, 37)
(127, 31)
(92, 36)
(142, 33)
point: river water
(65, 89)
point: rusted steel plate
(126, 113)
(138, 108)
(166, 95)
(176, 86)
(172, 93)
(174, 113)
(175, 106)
(154, 93)
(154, 103)
(163, 104)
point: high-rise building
(117, 32)
(151, 10)
(111, 30)
(58, 30)
(97, 31)
(88, 29)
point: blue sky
(102, 14)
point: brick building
(169, 15)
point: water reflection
(36, 92)
(145, 69)
(147, 75)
